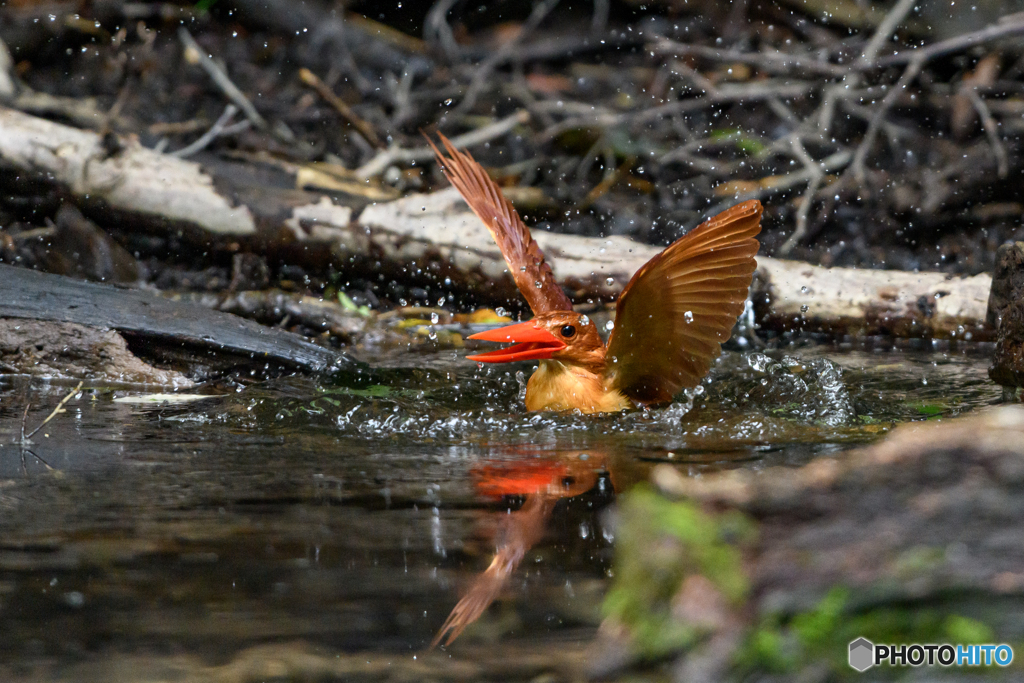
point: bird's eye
(568, 331)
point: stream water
(301, 530)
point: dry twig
(991, 131)
(219, 128)
(1012, 25)
(357, 122)
(770, 61)
(230, 90)
(508, 49)
(816, 175)
(25, 438)
(396, 154)
(885, 30)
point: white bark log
(436, 237)
(135, 179)
(855, 300)
(798, 294)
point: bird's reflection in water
(545, 477)
(543, 481)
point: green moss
(967, 631)
(660, 542)
(767, 649)
(744, 143)
(813, 628)
(783, 645)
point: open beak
(529, 343)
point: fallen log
(794, 296)
(221, 204)
(437, 234)
(144, 317)
(433, 240)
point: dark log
(37, 296)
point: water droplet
(440, 302)
(584, 320)
(501, 311)
(538, 284)
(434, 318)
(610, 325)
(448, 102)
(688, 316)
(803, 309)
(609, 281)
(804, 290)
(521, 380)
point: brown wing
(524, 258)
(674, 314)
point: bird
(670, 319)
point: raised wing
(524, 258)
(676, 311)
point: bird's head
(560, 335)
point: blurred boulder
(770, 575)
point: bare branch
(991, 131)
(215, 131)
(817, 175)
(230, 90)
(396, 154)
(1014, 25)
(885, 30)
(357, 122)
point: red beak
(530, 343)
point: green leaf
(350, 306)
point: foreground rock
(68, 351)
(740, 575)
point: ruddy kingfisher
(670, 319)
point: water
(333, 527)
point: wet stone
(1006, 309)
(67, 350)
(1007, 280)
